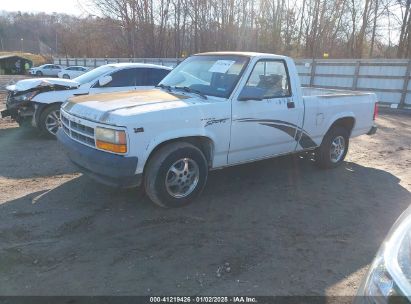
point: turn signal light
(116, 148)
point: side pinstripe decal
(299, 134)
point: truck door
(265, 116)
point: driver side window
(122, 78)
(269, 79)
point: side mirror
(104, 80)
(251, 93)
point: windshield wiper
(163, 86)
(190, 90)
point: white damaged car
(37, 101)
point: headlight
(111, 140)
(390, 273)
(25, 97)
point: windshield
(210, 75)
(94, 74)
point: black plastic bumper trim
(110, 169)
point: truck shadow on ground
(26, 154)
(276, 227)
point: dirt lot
(276, 227)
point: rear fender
(333, 119)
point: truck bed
(324, 106)
(329, 93)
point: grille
(78, 131)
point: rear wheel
(49, 121)
(175, 175)
(334, 148)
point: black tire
(323, 155)
(45, 119)
(158, 170)
(39, 73)
(65, 76)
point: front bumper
(106, 168)
(19, 111)
(373, 130)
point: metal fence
(96, 62)
(389, 79)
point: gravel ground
(275, 227)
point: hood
(103, 107)
(28, 84)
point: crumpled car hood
(28, 84)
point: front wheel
(39, 73)
(65, 76)
(49, 121)
(333, 149)
(175, 175)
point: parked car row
(58, 70)
(46, 70)
(213, 110)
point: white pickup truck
(212, 111)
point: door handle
(290, 104)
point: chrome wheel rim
(182, 178)
(337, 149)
(53, 122)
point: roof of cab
(247, 54)
(138, 65)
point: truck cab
(213, 110)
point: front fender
(38, 109)
(173, 135)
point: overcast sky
(48, 6)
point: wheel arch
(347, 121)
(40, 109)
(204, 143)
